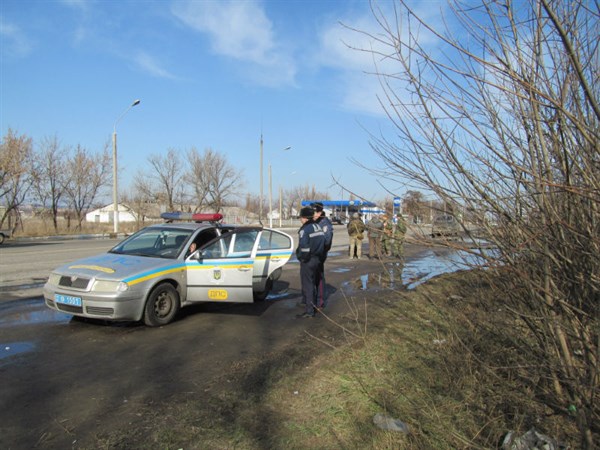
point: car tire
(1, 238)
(262, 296)
(162, 305)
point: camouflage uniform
(375, 227)
(386, 237)
(398, 238)
(356, 228)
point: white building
(105, 214)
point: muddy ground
(71, 383)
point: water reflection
(435, 263)
(415, 272)
(14, 348)
(277, 295)
(364, 279)
(34, 313)
(341, 269)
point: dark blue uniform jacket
(311, 241)
(327, 228)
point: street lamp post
(270, 198)
(280, 205)
(260, 202)
(271, 194)
(114, 145)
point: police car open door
(223, 271)
(274, 251)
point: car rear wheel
(162, 305)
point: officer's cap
(307, 212)
(318, 206)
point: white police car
(153, 273)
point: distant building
(340, 211)
(105, 214)
(286, 214)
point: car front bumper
(110, 306)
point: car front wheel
(262, 296)
(162, 305)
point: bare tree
(87, 175)
(142, 196)
(168, 173)
(16, 154)
(213, 179)
(49, 175)
(496, 110)
(198, 178)
(414, 202)
(296, 194)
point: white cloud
(14, 42)
(240, 30)
(350, 54)
(356, 49)
(150, 65)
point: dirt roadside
(87, 385)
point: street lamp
(114, 142)
(260, 201)
(271, 195)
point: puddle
(31, 313)
(9, 288)
(15, 348)
(341, 270)
(437, 263)
(273, 296)
(364, 279)
(415, 272)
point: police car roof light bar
(197, 217)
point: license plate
(67, 300)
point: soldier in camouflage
(398, 235)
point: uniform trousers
(375, 247)
(308, 279)
(321, 285)
(355, 246)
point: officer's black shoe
(304, 316)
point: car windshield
(155, 242)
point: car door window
(218, 249)
(243, 243)
(234, 244)
(271, 240)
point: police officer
(327, 228)
(311, 248)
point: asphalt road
(66, 381)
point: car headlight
(54, 279)
(109, 286)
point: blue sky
(209, 74)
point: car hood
(112, 266)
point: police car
(161, 268)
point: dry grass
(439, 359)
(36, 227)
